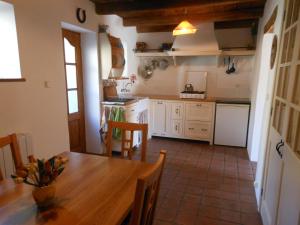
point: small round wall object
(80, 15)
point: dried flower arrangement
(41, 173)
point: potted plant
(41, 174)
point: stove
(193, 94)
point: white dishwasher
(231, 124)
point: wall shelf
(219, 54)
(151, 54)
(238, 53)
(194, 53)
(197, 53)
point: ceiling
(165, 15)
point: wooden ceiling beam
(236, 24)
(190, 10)
(195, 18)
(116, 7)
(152, 29)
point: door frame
(81, 105)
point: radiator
(6, 160)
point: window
(9, 52)
(71, 74)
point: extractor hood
(208, 41)
(204, 40)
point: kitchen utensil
(188, 88)
(232, 69)
(140, 46)
(154, 63)
(228, 67)
(163, 64)
(166, 46)
(145, 71)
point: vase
(44, 196)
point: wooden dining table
(91, 190)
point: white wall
(219, 84)
(29, 106)
(90, 63)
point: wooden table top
(91, 190)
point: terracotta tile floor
(204, 185)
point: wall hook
(81, 15)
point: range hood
(208, 41)
(204, 40)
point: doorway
(281, 196)
(74, 90)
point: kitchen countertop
(135, 100)
(233, 100)
(177, 98)
(208, 99)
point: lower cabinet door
(199, 130)
(176, 127)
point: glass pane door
(71, 76)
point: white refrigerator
(231, 124)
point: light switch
(47, 84)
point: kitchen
(223, 100)
(182, 90)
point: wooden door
(281, 195)
(74, 89)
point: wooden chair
(15, 150)
(146, 194)
(127, 143)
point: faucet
(125, 87)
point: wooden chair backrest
(147, 190)
(15, 151)
(127, 144)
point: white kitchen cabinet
(177, 110)
(176, 128)
(132, 115)
(198, 130)
(202, 111)
(159, 117)
(182, 119)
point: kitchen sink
(118, 100)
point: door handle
(278, 146)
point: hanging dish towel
(114, 114)
(118, 116)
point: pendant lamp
(185, 27)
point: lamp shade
(184, 28)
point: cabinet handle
(191, 128)
(198, 105)
(160, 103)
(177, 111)
(132, 110)
(176, 127)
(203, 129)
